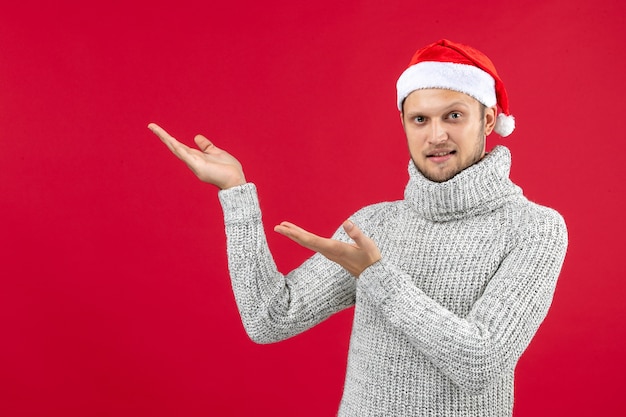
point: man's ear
(490, 119)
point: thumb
(203, 143)
(354, 232)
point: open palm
(210, 163)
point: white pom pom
(505, 125)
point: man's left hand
(354, 257)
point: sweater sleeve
(474, 351)
(272, 306)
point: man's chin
(442, 178)
(436, 175)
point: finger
(354, 232)
(361, 241)
(179, 149)
(163, 135)
(204, 144)
(302, 237)
(160, 132)
(292, 231)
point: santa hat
(452, 66)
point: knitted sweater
(467, 275)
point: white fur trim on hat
(463, 78)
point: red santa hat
(453, 66)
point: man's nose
(438, 133)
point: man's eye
(419, 119)
(455, 115)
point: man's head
(448, 98)
(446, 131)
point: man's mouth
(440, 154)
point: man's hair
(483, 110)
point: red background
(115, 298)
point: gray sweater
(467, 275)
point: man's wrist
(234, 183)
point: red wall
(115, 298)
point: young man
(449, 284)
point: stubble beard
(478, 155)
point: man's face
(446, 131)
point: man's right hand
(210, 163)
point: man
(449, 284)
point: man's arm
(475, 350)
(272, 307)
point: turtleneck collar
(481, 188)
